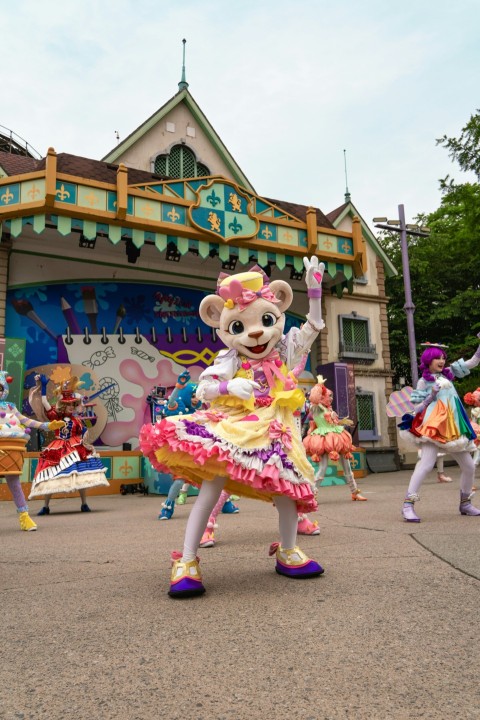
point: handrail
(18, 142)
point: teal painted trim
(131, 139)
(182, 245)
(64, 225)
(160, 241)
(138, 238)
(351, 211)
(90, 229)
(298, 263)
(16, 227)
(178, 188)
(203, 248)
(39, 224)
(195, 184)
(262, 258)
(224, 252)
(114, 233)
(243, 256)
(261, 206)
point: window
(179, 163)
(355, 340)
(367, 427)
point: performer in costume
(441, 477)
(182, 401)
(68, 463)
(327, 438)
(440, 423)
(473, 399)
(14, 434)
(246, 441)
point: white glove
(242, 388)
(313, 272)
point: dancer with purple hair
(440, 424)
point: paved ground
(390, 632)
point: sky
(288, 85)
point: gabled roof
(348, 209)
(183, 96)
(17, 164)
(334, 214)
(300, 211)
(75, 165)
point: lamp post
(404, 230)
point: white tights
(427, 462)
(206, 501)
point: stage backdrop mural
(123, 339)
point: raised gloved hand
(240, 387)
(314, 273)
(55, 425)
(44, 382)
(313, 277)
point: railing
(362, 354)
(13, 143)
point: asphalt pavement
(389, 632)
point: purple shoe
(294, 563)
(186, 579)
(466, 507)
(408, 511)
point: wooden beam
(50, 177)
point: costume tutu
(328, 437)
(444, 421)
(254, 442)
(67, 465)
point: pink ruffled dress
(255, 444)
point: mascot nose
(256, 334)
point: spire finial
(347, 194)
(183, 85)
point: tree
(444, 267)
(466, 149)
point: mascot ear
(210, 310)
(282, 292)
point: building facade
(103, 265)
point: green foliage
(466, 149)
(444, 268)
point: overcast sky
(288, 85)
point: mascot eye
(236, 327)
(269, 320)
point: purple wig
(433, 353)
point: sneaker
(182, 498)
(44, 511)
(84, 508)
(229, 508)
(26, 522)
(307, 527)
(167, 510)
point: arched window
(180, 163)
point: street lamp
(404, 230)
